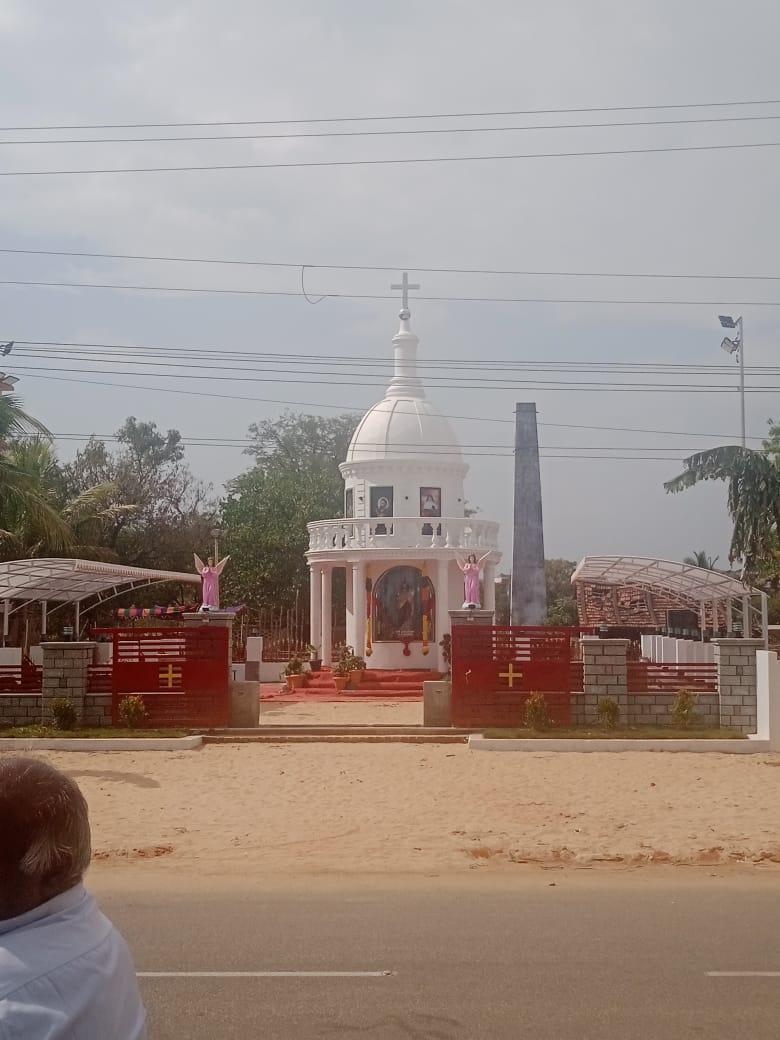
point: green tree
(561, 597)
(753, 479)
(158, 514)
(295, 480)
(699, 558)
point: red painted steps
(389, 685)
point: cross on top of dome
(405, 285)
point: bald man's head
(44, 834)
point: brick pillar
(217, 618)
(604, 674)
(66, 674)
(735, 660)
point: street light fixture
(215, 533)
(736, 346)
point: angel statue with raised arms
(470, 568)
(210, 573)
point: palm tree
(36, 516)
(699, 558)
(753, 494)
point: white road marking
(263, 974)
(744, 974)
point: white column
(327, 613)
(359, 604)
(349, 571)
(489, 586)
(315, 605)
(442, 608)
(747, 620)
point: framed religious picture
(430, 501)
(349, 503)
(381, 501)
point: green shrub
(132, 711)
(684, 709)
(536, 715)
(294, 667)
(608, 713)
(64, 713)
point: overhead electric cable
(328, 134)
(418, 269)
(378, 296)
(420, 160)
(391, 118)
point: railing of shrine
(404, 532)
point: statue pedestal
(218, 618)
(471, 616)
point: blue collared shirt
(66, 974)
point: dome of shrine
(405, 425)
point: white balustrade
(403, 532)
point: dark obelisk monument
(529, 590)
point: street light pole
(742, 380)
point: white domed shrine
(403, 531)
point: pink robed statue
(210, 573)
(471, 578)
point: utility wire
(270, 375)
(421, 160)
(391, 118)
(265, 360)
(547, 385)
(353, 408)
(379, 296)
(417, 269)
(327, 134)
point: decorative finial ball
(404, 314)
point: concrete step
(382, 728)
(284, 736)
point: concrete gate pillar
(65, 674)
(604, 674)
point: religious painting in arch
(381, 501)
(403, 606)
(430, 501)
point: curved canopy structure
(697, 586)
(74, 581)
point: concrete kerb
(728, 747)
(101, 744)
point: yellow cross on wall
(171, 674)
(510, 675)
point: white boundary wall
(768, 698)
(668, 650)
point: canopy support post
(6, 618)
(44, 616)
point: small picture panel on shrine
(381, 501)
(349, 503)
(430, 501)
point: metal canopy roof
(696, 584)
(72, 581)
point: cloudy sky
(686, 212)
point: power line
(379, 296)
(421, 160)
(392, 118)
(328, 134)
(188, 356)
(547, 385)
(353, 408)
(416, 268)
(272, 375)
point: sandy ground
(323, 808)
(338, 713)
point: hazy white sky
(691, 212)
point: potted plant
(340, 676)
(357, 669)
(293, 673)
(315, 661)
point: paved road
(593, 956)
